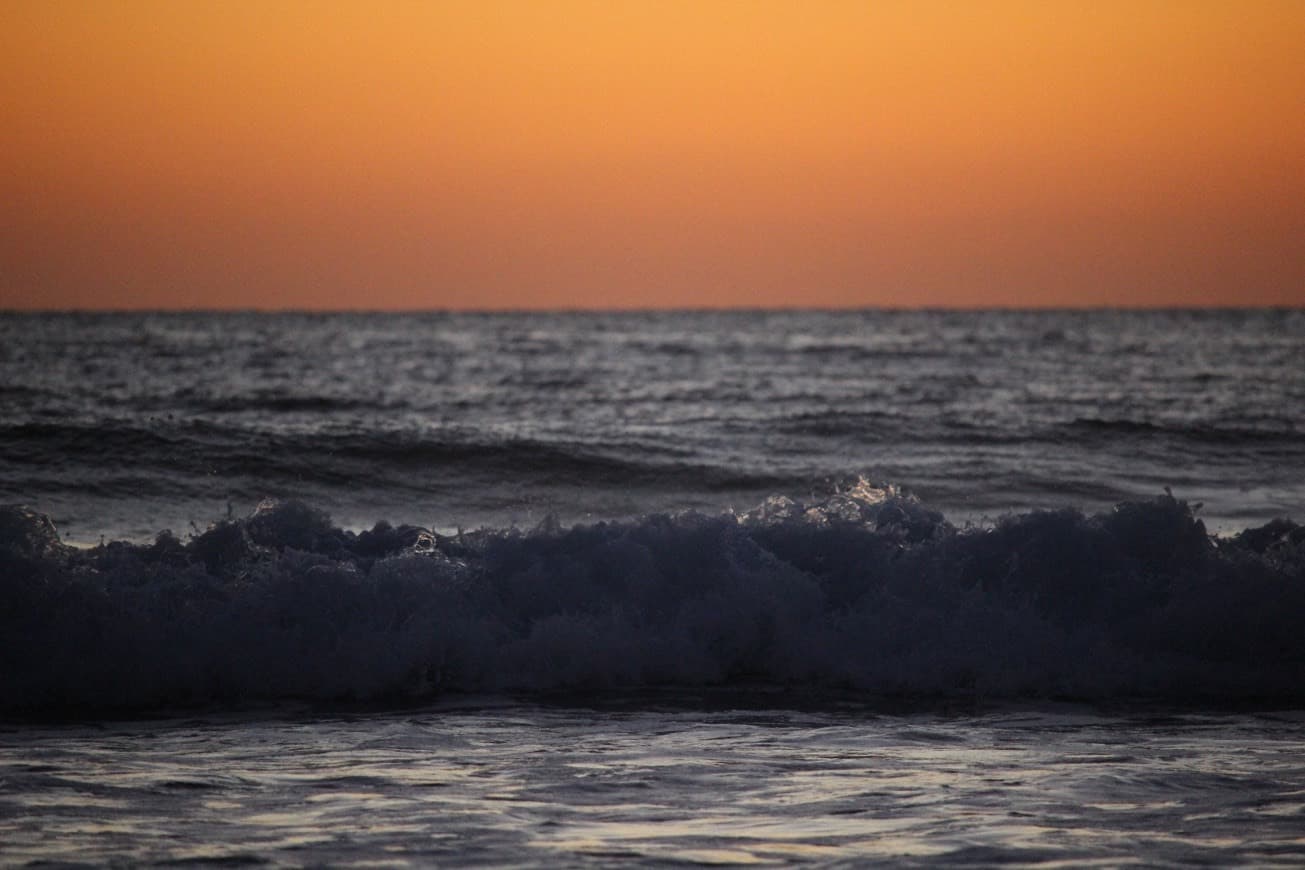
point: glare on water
(521, 782)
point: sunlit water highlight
(653, 782)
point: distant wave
(275, 403)
(888, 426)
(864, 589)
(199, 446)
(1264, 430)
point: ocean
(926, 588)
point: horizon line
(687, 309)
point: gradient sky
(488, 154)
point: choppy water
(816, 587)
(123, 425)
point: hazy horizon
(679, 309)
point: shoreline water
(538, 785)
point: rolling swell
(1266, 431)
(864, 589)
(192, 451)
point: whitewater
(925, 588)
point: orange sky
(583, 153)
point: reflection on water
(516, 783)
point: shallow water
(509, 782)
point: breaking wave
(866, 589)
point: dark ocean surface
(925, 588)
(124, 425)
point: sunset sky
(565, 154)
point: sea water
(672, 781)
(124, 425)
(737, 587)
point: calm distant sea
(928, 588)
